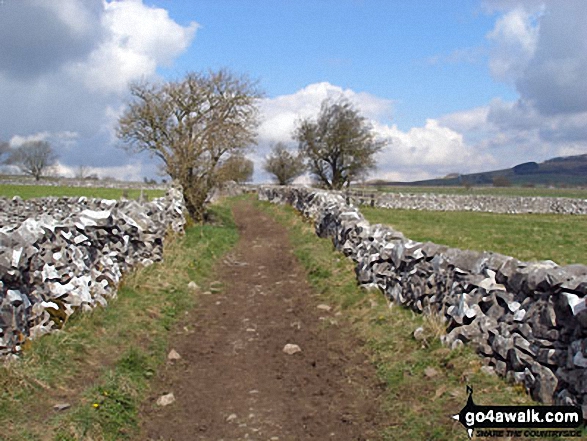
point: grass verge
(102, 362)
(41, 191)
(426, 383)
(561, 238)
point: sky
(455, 86)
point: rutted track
(234, 381)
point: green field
(579, 193)
(561, 238)
(39, 191)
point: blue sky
(397, 50)
(453, 86)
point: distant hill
(570, 171)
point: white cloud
(418, 153)
(59, 138)
(466, 120)
(554, 79)
(541, 49)
(128, 172)
(514, 39)
(137, 39)
(72, 78)
(429, 151)
(281, 113)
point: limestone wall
(529, 320)
(61, 255)
(481, 203)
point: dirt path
(234, 382)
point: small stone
(173, 355)
(61, 407)
(231, 417)
(324, 307)
(291, 349)
(166, 400)
(419, 333)
(430, 372)
(193, 286)
(579, 360)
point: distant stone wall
(60, 255)
(529, 320)
(88, 183)
(481, 203)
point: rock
(193, 286)
(173, 355)
(291, 349)
(62, 255)
(419, 333)
(579, 360)
(230, 418)
(61, 407)
(323, 307)
(166, 400)
(545, 385)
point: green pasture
(561, 238)
(40, 191)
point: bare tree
(192, 125)
(33, 158)
(284, 165)
(4, 150)
(340, 145)
(236, 168)
(83, 172)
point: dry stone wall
(61, 255)
(481, 203)
(529, 320)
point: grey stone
(72, 256)
(545, 385)
(291, 349)
(166, 400)
(518, 360)
(501, 345)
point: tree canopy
(33, 158)
(284, 165)
(339, 146)
(236, 168)
(192, 125)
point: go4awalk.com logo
(526, 421)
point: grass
(426, 383)
(39, 191)
(561, 238)
(579, 193)
(102, 362)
